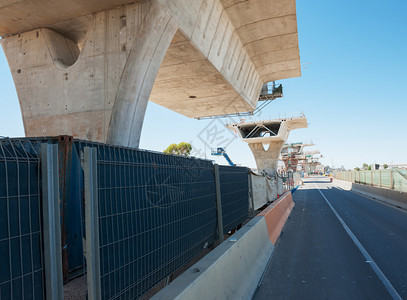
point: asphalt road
(316, 258)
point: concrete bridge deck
(89, 68)
(316, 258)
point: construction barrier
(264, 190)
(140, 214)
(392, 197)
(276, 215)
(234, 269)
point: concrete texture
(392, 197)
(76, 289)
(102, 96)
(272, 134)
(234, 268)
(276, 214)
(316, 259)
(231, 271)
(87, 69)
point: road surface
(338, 245)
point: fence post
(218, 202)
(92, 223)
(51, 222)
(391, 180)
(371, 177)
(251, 199)
(380, 178)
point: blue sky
(353, 90)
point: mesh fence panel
(376, 177)
(156, 212)
(234, 187)
(368, 177)
(392, 179)
(21, 273)
(400, 180)
(386, 178)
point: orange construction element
(277, 214)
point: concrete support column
(137, 79)
(96, 88)
(267, 160)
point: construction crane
(222, 152)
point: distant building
(398, 166)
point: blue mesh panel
(234, 187)
(21, 264)
(156, 212)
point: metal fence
(234, 188)
(290, 179)
(21, 260)
(394, 179)
(156, 212)
(152, 213)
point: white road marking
(392, 291)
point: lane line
(392, 291)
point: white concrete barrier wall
(231, 271)
(234, 269)
(385, 195)
(346, 185)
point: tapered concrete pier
(292, 154)
(89, 68)
(266, 139)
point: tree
(172, 149)
(180, 149)
(365, 166)
(184, 148)
(385, 166)
(357, 169)
(369, 168)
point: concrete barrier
(234, 269)
(392, 197)
(277, 214)
(346, 185)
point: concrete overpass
(296, 148)
(292, 153)
(88, 68)
(271, 133)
